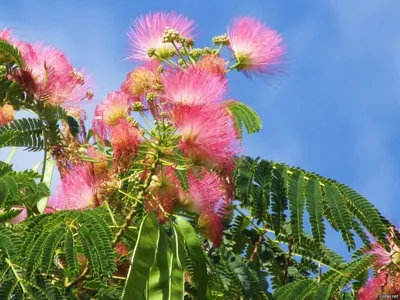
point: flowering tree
(156, 200)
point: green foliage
(29, 134)
(11, 53)
(325, 199)
(60, 243)
(196, 259)
(142, 259)
(244, 115)
(19, 188)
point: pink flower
(142, 80)
(5, 34)
(100, 167)
(76, 190)
(6, 114)
(382, 256)
(148, 32)
(372, 290)
(211, 227)
(194, 87)
(125, 141)
(213, 64)
(256, 47)
(107, 113)
(207, 133)
(164, 189)
(55, 81)
(205, 192)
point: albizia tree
(156, 200)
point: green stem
(187, 53)
(111, 214)
(139, 198)
(10, 157)
(179, 53)
(168, 62)
(219, 48)
(233, 66)
(45, 157)
(16, 276)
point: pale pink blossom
(5, 34)
(256, 47)
(100, 165)
(116, 106)
(210, 225)
(142, 80)
(164, 190)
(125, 140)
(76, 190)
(147, 33)
(194, 87)
(213, 64)
(382, 256)
(55, 81)
(207, 133)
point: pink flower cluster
(387, 264)
(48, 75)
(176, 83)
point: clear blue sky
(335, 113)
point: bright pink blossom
(205, 192)
(194, 87)
(116, 106)
(373, 288)
(207, 133)
(76, 190)
(148, 31)
(257, 48)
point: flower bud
(221, 39)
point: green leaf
(12, 52)
(178, 267)
(244, 115)
(160, 273)
(183, 178)
(196, 255)
(298, 290)
(48, 176)
(29, 134)
(279, 197)
(296, 202)
(74, 126)
(142, 258)
(314, 208)
(7, 136)
(340, 214)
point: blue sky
(334, 113)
